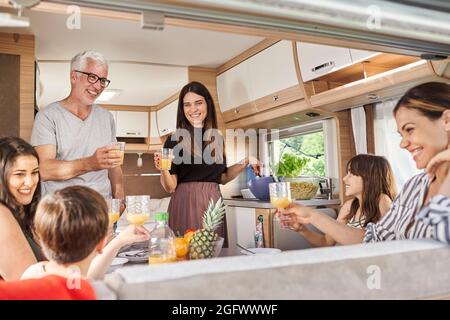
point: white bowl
(247, 194)
(260, 251)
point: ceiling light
(13, 21)
(108, 94)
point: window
(305, 141)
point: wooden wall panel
(144, 180)
(370, 131)
(9, 95)
(23, 45)
(346, 145)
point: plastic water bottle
(161, 246)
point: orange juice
(113, 217)
(138, 219)
(165, 164)
(161, 259)
(280, 202)
(118, 153)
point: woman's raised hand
(437, 160)
(256, 165)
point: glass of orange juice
(113, 210)
(138, 209)
(119, 150)
(166, 159)
(280, 194)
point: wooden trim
(23, 45)
(167, 101)
(264, 44)
(114, 107)
(298, 71)
(346, 146)
(441, 68)
(242, 111)
(370, 130)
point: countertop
(254, 203)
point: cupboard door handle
(326, 65)
(275, 98)
(236, 111)
(134, 133)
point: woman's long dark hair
(378, 179)
(10, 149)
(210, 121)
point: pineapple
(203, 242)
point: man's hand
(103, 159)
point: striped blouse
(407, 219)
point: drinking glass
(113, 210)
(280, 194)
(138, 209)
(118, 151)
(166, 159)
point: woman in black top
(199, 163)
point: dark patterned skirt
(188, 204)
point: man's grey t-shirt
(74, 139)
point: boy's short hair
(70, 223)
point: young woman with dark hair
(200, 165)
(19, 196)
(370, 182)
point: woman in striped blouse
(370, 182)
(422, 209)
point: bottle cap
(161, 216)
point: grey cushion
(407, 269)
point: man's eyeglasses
(93, 78)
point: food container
(303, 188)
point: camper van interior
(292, 88)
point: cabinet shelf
(373, 65)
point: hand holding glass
(165, 162)
(280, 194)
(138, 209)
(118, 151)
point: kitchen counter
(254, 203)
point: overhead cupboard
(268, 86)
(167, 118)
(131, 124)
(259, 82)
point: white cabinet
(360, 55)
(269, 71)
(167, 118)
(233, 87)
(272, 70)
(317, 60)
(131, 124)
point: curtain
(387, 142)
(358, 116)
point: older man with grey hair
(73, 136)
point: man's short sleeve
(44, 130)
